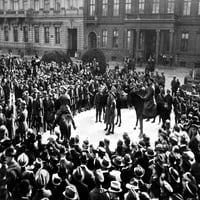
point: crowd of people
(36, 96)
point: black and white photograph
(99, 99)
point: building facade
(144, 28)
(36, 26)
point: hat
(78, 174)
(133, 184)
(185, 164)
(141, 144)
(191, 188)
(105, 163)
(23, 160)
(187, 177)
(38, 163)
(167, 186)
(115, 187)
(132, 195)
(150, 152)
(70, 193)
(56, 180)
(24, 186)
(101, 150)
(85, 144)
(174, 174)
(42, 177)
(99, 175)
(117, 161)
(177, 196)
(127, 159)
(144, 196)
(10, 151)
(63, 150)
(173, 138)
(139, 171)
(159, 147)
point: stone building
(144, 28)
(36, 26)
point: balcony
(91, 20)
(12, 14)
(150, 16)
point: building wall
(175, 22)
(68, 16)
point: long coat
(150, 107)
(110, 110)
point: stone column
(171, 39)
(137, 44)
(157, 44)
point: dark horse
(135, 99)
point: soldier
(98, 104)
(111, 111)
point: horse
(64, 118)
(135, 99)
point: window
(57, 35)
(36, 5)
(25, 30)
(6, 33)
(74, 4)
(170, 6)
(46, 34)
(16, 5)
(92, 7)
(156, 6)
(128, 39)
(5, 5)
(199, 7)
(186, 7)
(57, 5)
(116, 8)
(46, 5)
(115, 38)
(36, 31)
(104, 38)
(105, 8)
(184, 41)
(11, 4)
(141, 6)
(141, 40)
(128, 6)
(15, 33)
(25, 5)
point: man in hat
(115, 190)
(98, 192)
(77, 180)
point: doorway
(72, 41)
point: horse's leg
(141, 127)
(136, 122)
(120, 119)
